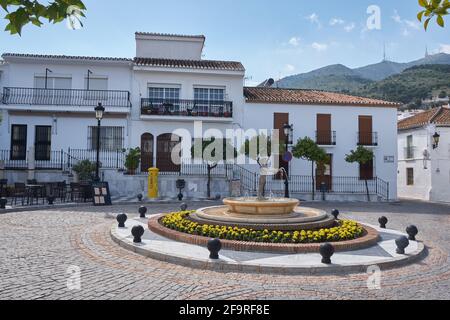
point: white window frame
(203, 108)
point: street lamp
(287, 129)
(99, 111)
(436, 138)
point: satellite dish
(270, 82)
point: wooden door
(323, 129)
(366, 171)
(365, 130)
(164, 147)
(324, 173)
(279, 120)
(146, 152)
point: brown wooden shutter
(365, 130)
(323, 129)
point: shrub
(85, 170)
(132, 160)
(345, 230)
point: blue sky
(271, 38)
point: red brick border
(370, 238)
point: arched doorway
(164, 147)
(146, 152)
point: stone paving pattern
(36, 248)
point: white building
(48, 112)
(424, 166)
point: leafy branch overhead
(22, 12)
(433, 8)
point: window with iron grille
(410, 176)
(18, 142)
(43, 143)
(205, 96)
(111, 138)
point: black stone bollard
(412, 231)
(137, 232)
(214, 246)
(121, 218)
(140, 197)
(402, 243)
(326, 251)
(142, 211)
(383, 221)
(3, 202)
(183, 206)
(50, 200)
(335, 213)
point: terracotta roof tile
(48, 56)
(439, 116)
(300, 96)
(191, 64)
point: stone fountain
(261, 213)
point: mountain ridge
(347, 79)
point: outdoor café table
(34, 190)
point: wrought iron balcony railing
(410, 152)
(326, 138)
(65, 97)
(367, 138)
(188, 108)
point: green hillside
(412, 84)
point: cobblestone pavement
(37, 248)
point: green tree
(361, 156)
(431, 9)
(22, 12)
(308, 150)
(442, 94)
(212, 152)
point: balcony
(187, 108)
(367, 138)
(326, 138)
(410, 153)
(65, 97)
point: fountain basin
(254, 206)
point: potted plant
(85, 170)
(132, 160)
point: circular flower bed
(345, 230)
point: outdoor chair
(20, 191)
(60, 191)
(3, 187)
(75, 191)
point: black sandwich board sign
(101, 195)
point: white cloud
(349, 27)
(319, 46)
(407, 25)
(444, 48)
(289, 68)
(314, 19)
(294, 41)
(336, 21)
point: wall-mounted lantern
(436, 138)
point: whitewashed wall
(344, 121)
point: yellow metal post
(153, 183)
